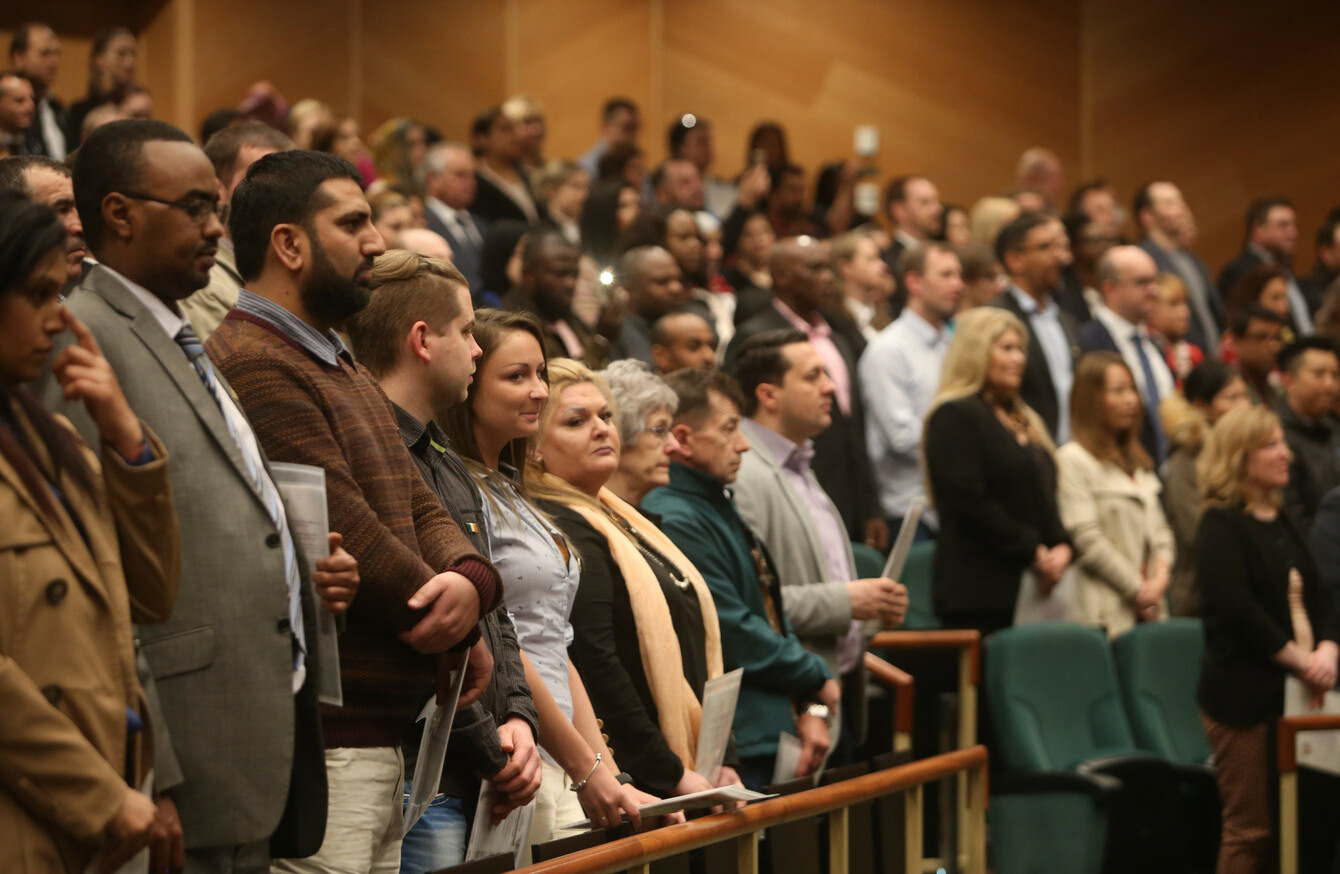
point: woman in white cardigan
(1109, 502)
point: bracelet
(578, 787)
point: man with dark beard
(549, 268)
(303, 235)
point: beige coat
(67, 657)
(1117, 525)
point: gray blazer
(818, 609)
(230, 734)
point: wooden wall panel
(1229, 100)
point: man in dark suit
(17, 111)
(912, 204)
(1167, 221)
(801, 278)
(1326, 268)
(1033, 249)
(233, 673)
(1128, 280)
(34, 51)
(449, 186)
(1272, 233)
(548, 283)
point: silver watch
(822, 712)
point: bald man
(1128, 281)
(652, 279)
(1039, 170)
(424, 242)
(802, 284)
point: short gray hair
(637, 393)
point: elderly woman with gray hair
(636, 584)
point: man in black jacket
(415, 336)
(1310, 371)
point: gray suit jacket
(818, 609)
(229, 738)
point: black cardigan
(996, 501)
(1242, 569)
(606, 654)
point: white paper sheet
(432, 750)
(893, 568)
(693, 801)
(788, 758)
(720, 696)
(508, 836)
(303, 488)
(1057, 606)
(1319, 750)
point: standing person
(1267, 617)
(1033, 248)
(449, 186)
(550, 266)
(900, 375)
(502, 191)
(416, 338)
(1208, 392)
(1310, 371)
(305, 246)
(1109, 502)
(612, 207)
(1272, 234)
(231, 676)
(112, 62)
(1168, 323)
(97, 547)
(561, 187)
(620, 123)
(1169, 228)
(785, 688)
(48, 182)
(992, 478)
(645, 632)
(494, 429)
(34, 51)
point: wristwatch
(821, 711)
(624, 778)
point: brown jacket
(67, 656)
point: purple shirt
(795, 463)
(820, 335)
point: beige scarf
(679, 710)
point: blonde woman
(991, 473)
(1109, 502)
(1267, 617)
(1209, 391)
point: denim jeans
(438, 839)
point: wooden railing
(1289, 728)
(968, 644)
(636, 853)
(903, 687)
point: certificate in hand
(508, 836)
(693, 801)
(720, 695)
(432, 750)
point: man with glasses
(232, 674)
(1128, 280)
(1033, 249)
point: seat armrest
(1100, 787)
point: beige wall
(1129, 89)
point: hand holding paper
(336, 576)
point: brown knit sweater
(338, 419)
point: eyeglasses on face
(198, 209)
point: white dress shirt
(1123, 333)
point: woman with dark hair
(90, 544)
(613, 206)
(1109, 502)
(111, 71)
(343, 138)
(500, 260)
(1210, 390)
(504, 190)
(675, 229)
(767, 141)
(1268, 286)
(956, 227)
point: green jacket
(700, 517)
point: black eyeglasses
(197, 209)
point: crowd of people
(593, 433)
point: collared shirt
(900, 373)
(517, 192)
(863, 314)
(908, 241)
(828, 526)
(455, 218)
(541, 585)
(52, 135)
(1045, 321)
(821, 336)
(172, 323)
(327, 348)
(1298, 309)
(1123, 334)
(443, 470)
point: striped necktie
(265, 487)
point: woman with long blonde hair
(1109, 501)
(1268, 616)
(991, 474)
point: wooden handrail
(638, 849)
(1290, 726)
(947, 638)
(903, 686)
